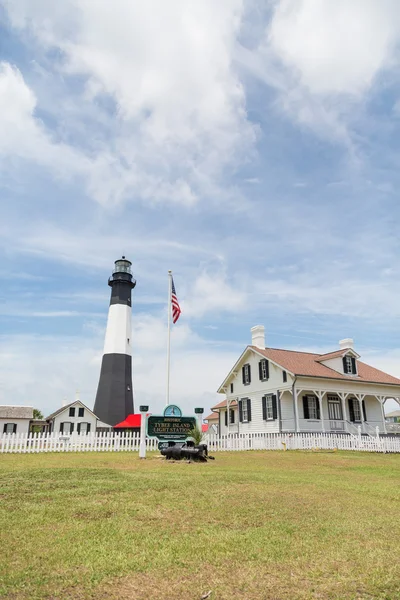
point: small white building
(15, 419)
(73, 418)
(275, 390)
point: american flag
(176, 309)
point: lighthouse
(114, 398)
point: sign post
(199, 414)
(142, 447)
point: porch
(332, 411)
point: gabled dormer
(343, 360)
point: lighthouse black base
(114, 398)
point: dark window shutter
(61, 427)
(344, 365)
(249, 371)
(243, 379)
(351, 409)
(353, 365)
(318, 405)
(226, 418)
(72, 428)
(15, 428)
(5, 428)
(241, 411)
(284, 376)
(267, 368)
(305, 407)
(264, 408)
(78, 428)
(274, 407)
(364, 411)
(88, 428)
(231, 388)
(248, 409)
(260, 370)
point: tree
(37, 414)
(196, 434)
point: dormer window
(349, 365)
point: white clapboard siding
(129, 442)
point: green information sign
(170, 428)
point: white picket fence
(129, 442)
(303, 441)
(57, 442)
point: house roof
(211, 417)
(60, 410)
(16, 412)
(131, 421)
(336, 354)
(223, 404)
(307, 364)
(395, 413)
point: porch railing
(337, 425)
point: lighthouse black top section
(121, 282)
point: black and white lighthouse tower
(114, 398)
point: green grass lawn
(249, 525)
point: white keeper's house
(274, 390)
(74, 417)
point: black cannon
(188, 451)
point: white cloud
(335, 47)
(212, 293)
(180, 108)
(324, 57)
(23, 135)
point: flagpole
(169, 331)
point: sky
(250, 146)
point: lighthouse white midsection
(119, 330)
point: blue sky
(251, 147)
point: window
(231, 416)
(83, 428)
(10, 428)
(81, 412)
(311, 407)
(231, 388)
(263, 369)
(334, 408)
(246, 374)
(354, 410)
(66, 427)
(349, 365)
(72, 411)
(284, 376)
(269, 409)
(245, 412)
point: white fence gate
(129, 442)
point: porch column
(381, 400)
(343, 397)
(360, 398)
(320, 395)
(296, 409)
